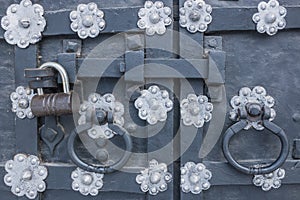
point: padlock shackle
(63, 74)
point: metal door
(228, 56)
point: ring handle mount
(253, 108)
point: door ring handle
(99, 169)
(234, 129)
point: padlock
(58, 103)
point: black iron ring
(259, 170)
(99, 169)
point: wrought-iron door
(230, 55)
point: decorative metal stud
(155, 178)
(24, 23)
(196, 110)
(269, 181)
(21, 100)
(87, 183)
(153, 105)
(195, 178)
(107, 103)
(270, 17)
(154, 17)
(257, 95)
(195, 15)
(25, 176)
(87, 20)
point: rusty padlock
(57, 103)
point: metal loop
(61, 70)
(99, 169)
(234, 129)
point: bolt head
(23, 103)
(155, 178)
(195, 15)
(88, 21)
(194, 178)
(254, 110)
(270, 18)
(25, 22)
(154, 18)
(87, 179)
(27, 175)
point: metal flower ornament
(155, 178)
(195, 178)
(269, 181)
(87, 183)
(195, 16)
(25, 176)
(257, 95)
(154, 17)
(87, 20)
(21, 100)
(107, 103)
(195, 110)
(154, 105)
(270, 17)
(23, 23)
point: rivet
(14, 9)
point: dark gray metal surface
(250, 59)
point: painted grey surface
(251, 59)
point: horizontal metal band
(57, 172)
(225, 174)
(222, 176)
(240, 19)
(117, 20)
(125, 19)
(154, 68)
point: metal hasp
(87, 20)
(58, 103)
(253, 108)
(270, 17)
(100, 118)
(194, 178)
(154, 179)
(195, 110)
(25, 176)
(23, 24)
(154, 17)
(195, 15)
(87, 183)
(153, 105)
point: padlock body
(56, 104)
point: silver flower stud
(153, 105)
(87, 183)
(269, 181)
(257, 95)
(21, 100)
(87, 20)
(195, 16)
(195, 178)
(155, 178)
(154, 17)
(195, 110)
(107, 103)
(25, 176)
(270, 17)
(23, 24)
